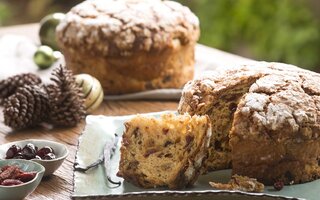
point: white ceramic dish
(51, 166)
(93, 184)
(18, 192)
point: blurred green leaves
(271, 30)
(31, 11)
(4, 12)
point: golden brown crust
(122, 27)
(171, 68)
(290, 162)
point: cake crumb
(242, 183)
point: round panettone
(130, 45)
(265, 121)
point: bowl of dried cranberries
(19, 178)
(48, 153)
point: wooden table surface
(60, 184)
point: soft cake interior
(164, 152)
(221, 116)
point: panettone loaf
(166, 152)
(130, 45)
(271, 131)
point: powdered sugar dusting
(120, 26)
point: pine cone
(27, 107)
(65, 98)
(8, 86)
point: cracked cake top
(282, 101)
(120, 27)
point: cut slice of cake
(165, 152)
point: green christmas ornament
(44, 57)
(92, 91)
(47, 31)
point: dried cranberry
(49, 156)
(149, 152)
(13, 175)
(26, 176)
(8, 172)
(189, 139)
(9, 182)
(29, 151)
(12, 151)
(278, 185)
(5, 167)
(45, 150)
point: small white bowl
(51, 166)
(16, 192)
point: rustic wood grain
(60, 184)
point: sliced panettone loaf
(265, 121)
(165, 152)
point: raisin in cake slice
(166, 152)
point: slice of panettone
(165, 152)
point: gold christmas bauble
(92, 91)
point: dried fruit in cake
(165, 152)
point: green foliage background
(272, 30)
(4, 13)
